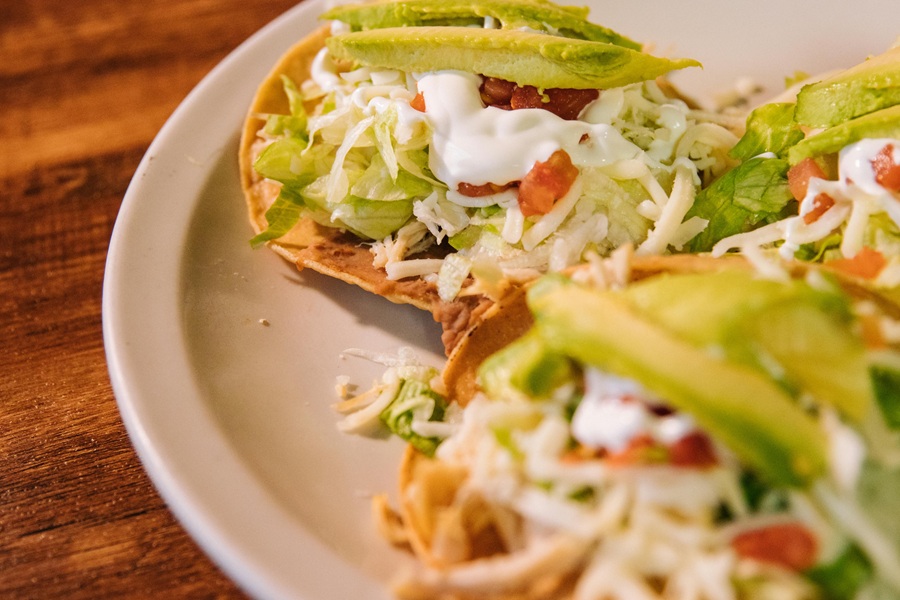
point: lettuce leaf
(376, 183)
(770, 128)
(752, 194)
(278, 162)
(844, 576)
(372, 219)
(294, 123)
(281, 217)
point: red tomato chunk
(800, 174)
(887, 172)
(418, 103)
(790, 545)
(546, 183)
(867, 263)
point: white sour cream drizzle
(856, 194)
(613, 412)
(479, 145)
(856, 163)
(323, 71)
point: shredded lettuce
(454, 271)
(278, 162)
(372, 219)
(756, 191)
(415, 401)
(282, 216)
(378, 183)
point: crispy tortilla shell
(463, 541)
(330, 251)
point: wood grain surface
(84, 87)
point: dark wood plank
(84, 87)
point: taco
(668, 428)
(819, 177)
(437, 152)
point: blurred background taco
(658, 428)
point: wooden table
(84, 87)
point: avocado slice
(811, 350)
(867, 87)
(884, 123)
(727, 296)
(744, 409)
(568, 21)
(523, 57)
(800, 336)
(527, 365)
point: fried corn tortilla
(327, 250)
(469, 544)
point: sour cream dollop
(477, 144)
(614, 411)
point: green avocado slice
(527, 365)
(799, 335)
(526, 58)
(884, 123)
(568, 21)
(869, 86)
(744, 409)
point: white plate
(231, 417)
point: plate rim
(254, 567)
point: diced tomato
(693, 450)
(790, 545)
(821, 204)
(418, 103)
(887, 172)
(485, 189)
(799, 175)
(798, 181)
(867, 263)
(546, 183)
